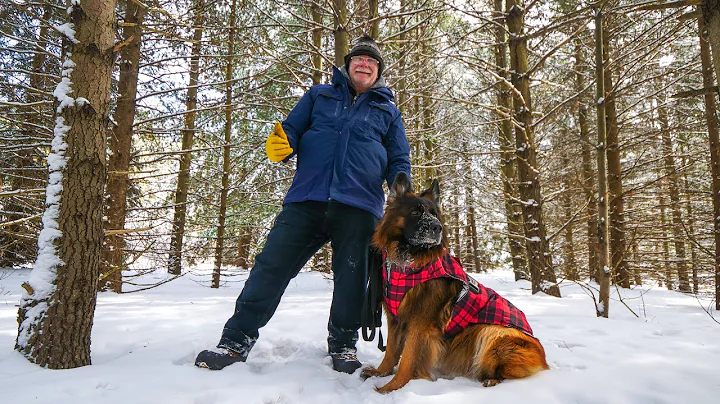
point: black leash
(371, 316)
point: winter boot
(346, 362)
(218, 358)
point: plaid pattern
(475, 304)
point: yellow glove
(277, 146)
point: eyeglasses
(367, 60)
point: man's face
(363, 72)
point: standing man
(349, 139)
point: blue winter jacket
(346, 151)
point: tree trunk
(710, 35)
(426, 149)
(374, 30)
(472, 223)
(603, 275)
(680, 258)
(539, 255)
(456, 218)
(244, 247)
(317, 42)
(666, 269)
(616, 209)
(711, 20)
(188, 138)
(508, 162)
(57, 308)
(220, 241)
(571, 271)
(636, 268)
(403, 62)
(340, 31)
(635, 247)
(120, 143)
(587, 168)
(691, 222)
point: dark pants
(299, 232)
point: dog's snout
(432, 223)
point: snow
(666, 60)
(144, 344)
(61, 93)
(68, 30)
(42, 278)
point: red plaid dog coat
(475, 304)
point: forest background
(564, 151)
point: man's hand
(277, 146)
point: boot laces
(346, 356)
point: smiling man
(349, 139)
(364, 64)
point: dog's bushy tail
(507, 353)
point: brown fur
(488, 353)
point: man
(349, 139)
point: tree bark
(316, 58)
(222, 214)
(508, 161)
(672, 180)
(710, 37)
(691, 222)
(472, 223)
(244, 247)
(340, 32)
(614, 177)
(188, 138)
(588, 174)
(571, 271)
(120, 143)
(711, 20)
(666, 267)
(56, 313)
(403, 62)
(539, 255)
(374, 30)
(426, 148)
(603, 275)
(634, 246)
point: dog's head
(411, 231)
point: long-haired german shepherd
(440, 320)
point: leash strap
(371, 315)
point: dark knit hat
(365, 45)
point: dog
(441, 321)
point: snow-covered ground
(143, 346)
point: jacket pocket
(379, 115)
(328, 104)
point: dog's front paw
(490, 382)
(383, 390)
(394, 384)
(370, 371)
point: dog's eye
(416, 212)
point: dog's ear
(401, 185)
(433, 192)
